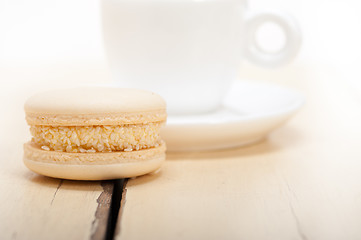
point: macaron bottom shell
(131, 164)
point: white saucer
(249, 113)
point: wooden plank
(35, 207)
(303, 182)
(32, 206)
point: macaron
(95, 133)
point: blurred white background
(40, 30)
(66, 35)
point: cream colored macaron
(95, 133)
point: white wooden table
(303, 182)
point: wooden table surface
(303, 182)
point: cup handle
(255, 54)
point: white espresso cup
(188, 51)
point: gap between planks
(101, 216)
(106, 216)
(117, 203)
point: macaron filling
(102, 138)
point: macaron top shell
(95, 106)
